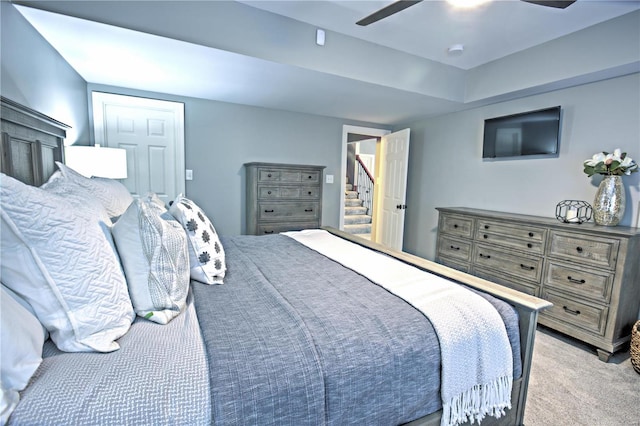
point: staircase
(356, 219)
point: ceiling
(263, 53)
(489, 32)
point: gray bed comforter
(291, 338)
(294, 338)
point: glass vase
(608, 206)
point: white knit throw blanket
(477, 364)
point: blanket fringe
(491, 399)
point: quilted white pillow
(206, 254)
(113, 195)
(153, 249)
(77, 196)
(58, 258)
(21, 340)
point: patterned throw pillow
(155, 257)
(206, 254)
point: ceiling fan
(400, 5)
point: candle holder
(573, 211)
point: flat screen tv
(528, 134)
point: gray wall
(35, 75)
(445, 169)
(446, 166)
(220, 137)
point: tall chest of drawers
(590, 273)
(283, 197)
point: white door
(393, 173)
(152, 132)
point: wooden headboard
(31, 143)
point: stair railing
(365, 185)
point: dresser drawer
(528, 267)
(269, 175)
(530, 245)
(288, 210)
(456, 225)
(457, 249)
(270, 192)
(514, 283)
(310, 192)
(274, 175)
(529, 233)
(575, 312)
(589, 250)
(583, 282)
(460, 266)
(276, 228)
(288, 191)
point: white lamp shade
(97, 161)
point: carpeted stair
(356, 219)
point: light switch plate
(189, 174)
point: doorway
(360, 185)
(349, 132)
(391, 161)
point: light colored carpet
(570, 386)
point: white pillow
(153, 250)
(76, 195)
(206, 254)
(113, 195)
(21, 340)
(58, 258)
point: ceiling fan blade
(394, 7)
(559, 4)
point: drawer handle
(570, 311)
(454, 248)
(531, 234)
(308, 210)
(485, 236)
(268, 211)
(486, 227)
(529, 245)
(528, 268)
(579, 249)
(309, 192)
(269, 192)
(455, 225)
(269, 175)
(309, 177)
(485, 256)
(573, 280)
(268, 232)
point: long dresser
(283, 197)
(590, 273)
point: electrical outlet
(329, 179)
(189, 174)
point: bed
(238, 330)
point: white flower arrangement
(617, 163)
